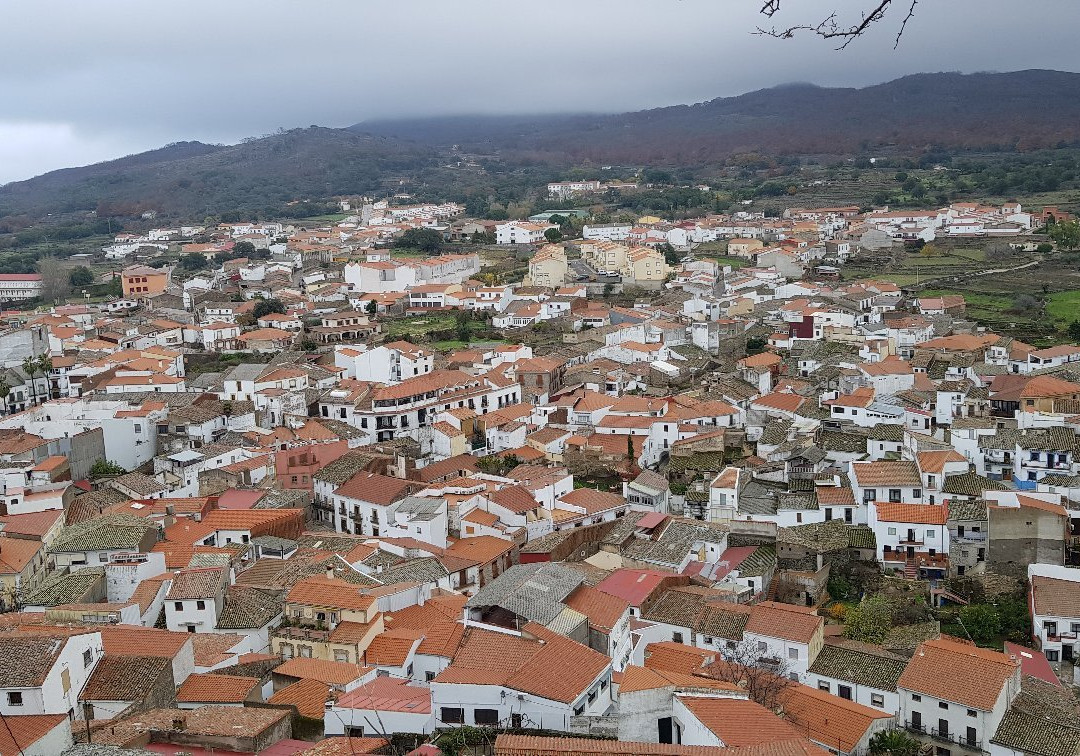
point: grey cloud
(122, 76)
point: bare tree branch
(832, 28)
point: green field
(1064, 307)
(417, 325)
(734, 262)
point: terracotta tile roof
(826, 718)
(213, 648)
(592, 500)
(388, 694)
(958, 672)
(342, 746)
(17, 553)
(421, 616)
(918, 514)
(143, 641)
(376, 489)
(886, 473)
(307, 695)
(780, 401)
(1055, 597)
(200, 583)
(792, 623)
(515, 498)
(329, 672)
(646, 678)
(392, 648)
(483, 549)
(739, 722)
(216, 689)
(329, 592)
(603, 610)
(669, 656)
(934, 461)
(124, 678)
(23, 731)
(539, 745)
(551, 666)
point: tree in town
(1074, 330)
(243, 249)
(193, 261)
(81, 276)
(1044, 248)
(1066, 234)
(371, 307)
(981, 622)
(763, 678)
(55, 281)
(267, 306)
(893, 743)
(424, 239)
(553, 235)
(869, 620)
(104, 468)
(462, 328)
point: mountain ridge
(1018, 110)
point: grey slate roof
(859, 663)
(119, 531)
(1043, 719)
(533, 591)
(247, 608)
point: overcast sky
(84, 81)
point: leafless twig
(831, 28)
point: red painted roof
(651, 520)
(633, 586)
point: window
(877, 699)
(793, 653)
(708, 640)
(1051, 655)
(429, 676)
(341, 655)
(579, 710)
(305, 651)
(200, 605)
(823, 685)
(972, 737)
(972, 713)
(844, 691)
(178, 606)
(486, 716)
(892, 531)
(929, 534)
(762, 646)
(895, 495)
(870, 494)
(676, 637)
(452, 715)
(87, 657)
(14, 698)
(916, 697)
(917, 493)
(942, 705)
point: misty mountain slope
(1021, 110)
(1030, 108)
(193, 178)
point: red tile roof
(958, 672)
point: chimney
(179, 722)
(329, 572)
